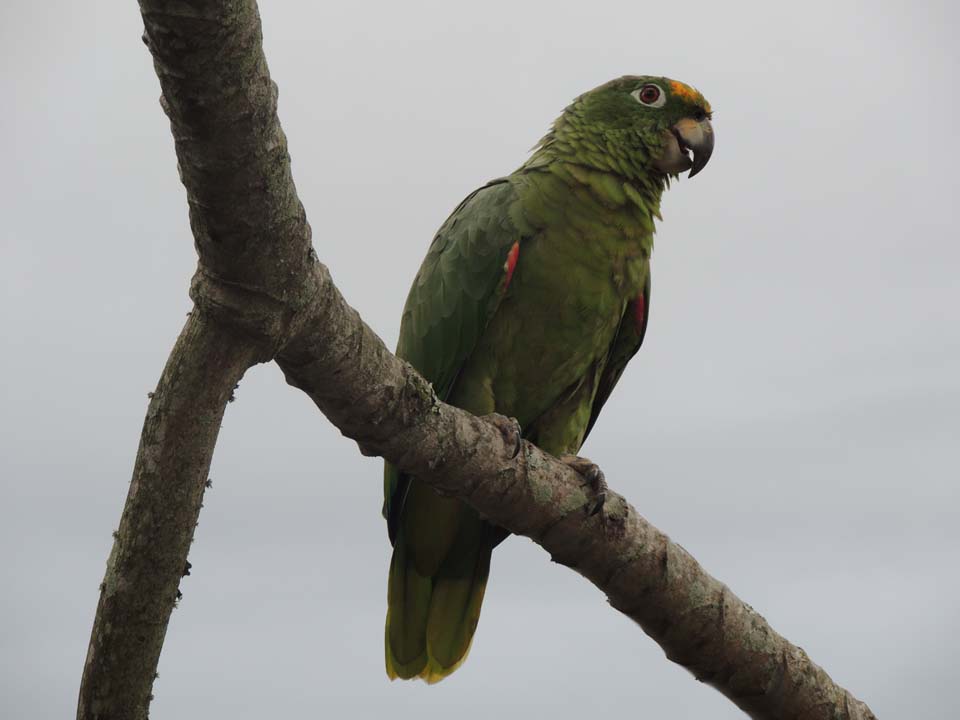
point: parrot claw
(594, 476)
(510, 431)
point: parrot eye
(650, 95)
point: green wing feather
(633, 328)
(441, 557)
(457, 289)
(459, 285)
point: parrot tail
(431, 618)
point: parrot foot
(592, 473)
(509, 429)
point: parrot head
(651, 123)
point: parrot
(532, 298)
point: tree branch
(383, 404)
(149, 554)
(260, 293)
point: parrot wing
(629, 338)
(441, 555)
(458, 288)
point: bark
(261, 294)
(149, 554)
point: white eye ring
(660, 100)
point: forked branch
(261, 294)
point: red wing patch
(639, 312)
(511, 264)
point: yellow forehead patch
(689, 94)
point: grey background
(792, 419)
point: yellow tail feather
(431, 621)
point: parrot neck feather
(582, 148)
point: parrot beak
(696, 136)
(687, 136)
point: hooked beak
(687, 136)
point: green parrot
(532, 298)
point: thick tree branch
(383, 404)
(260, 293)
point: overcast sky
(792, 419)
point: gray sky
(792, 419)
